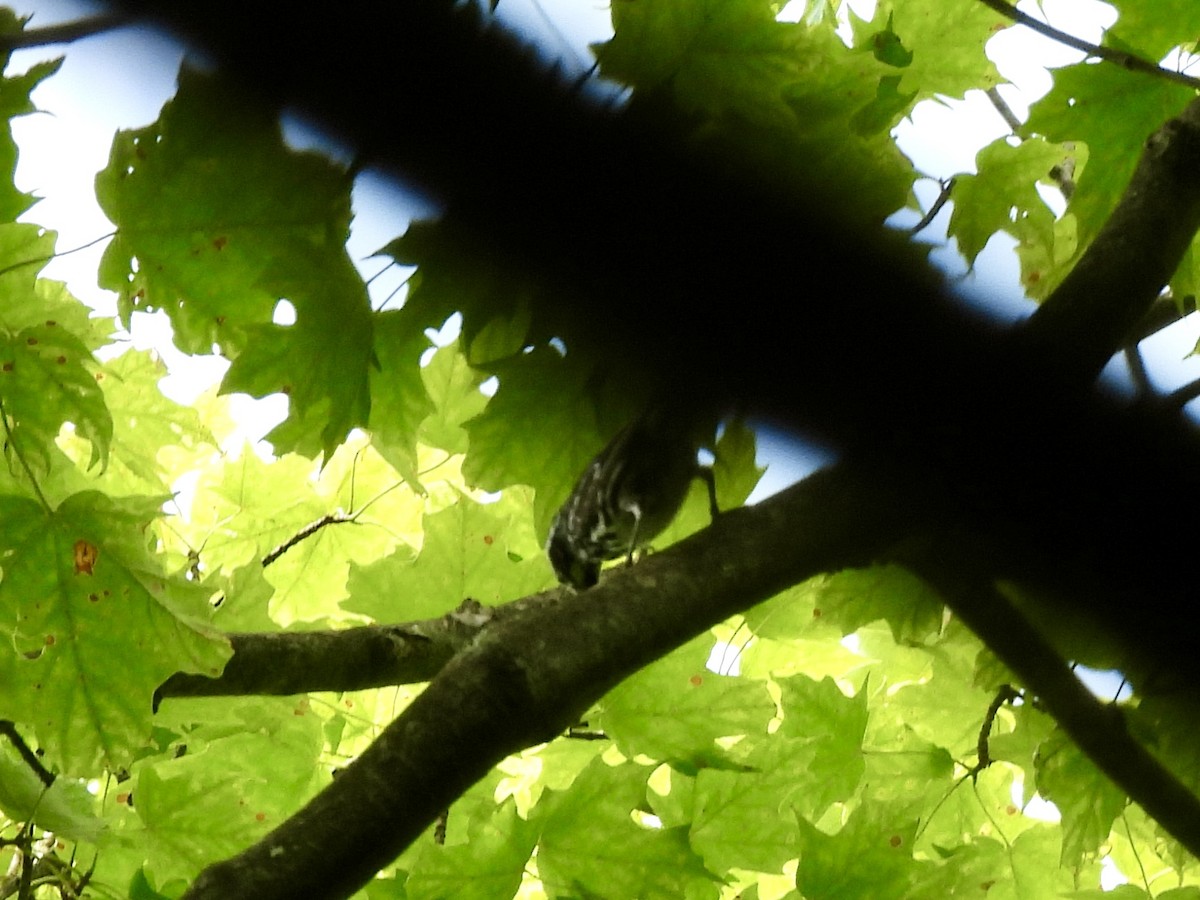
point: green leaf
(901, 766)
(735, 465)
(736, 473)
(888, 105)
(487, 552)
(491, 864)
(66, 807)
(1033, 872)
(47, 380)
(81, 590)
(320, 363)
(401, 395)
(28, 301)
(1156, 26)
(888, 48)
(716, 56)
(540, 394)
(946, 44)
(742, 819)
(757, 92)
(591, 847)
(218, 220)
(951, 713)
(15, 101)
(820, 713)
(675, 709)
(149, 429)
(453, 385)
(856, 597)
(1112, 112)
(869, 857)
(1022, 745)
(193, 812)
(1003, 194)
(1088, 801)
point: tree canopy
(346, 667)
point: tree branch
(352, 659)
(1125, 60)
(532, 670)
(306, 532)
(1015, 125)
(1121, 274)
(9, 730)
(61, 34)
(939, 414)
(1098, 728)
(529, 677)
(942, 199)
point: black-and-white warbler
(627, 495)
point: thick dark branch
(1116, 282)
(529, 677)
(1097, 727)
(628, 228)
(350, 659)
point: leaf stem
(11, 440)
(55, 255)
(942, 199)
(9, 730)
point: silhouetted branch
(1122, 273)
(942, 199)
(62, 34)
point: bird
(629, 493)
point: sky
(121, 79)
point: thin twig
(55, 255)
(1005, 111)
(328, 519)
(305, 532)
(1108, 54)
(1064, 173)
(943, 198)
(9, 730)
(1005, 694)
(64, 33)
